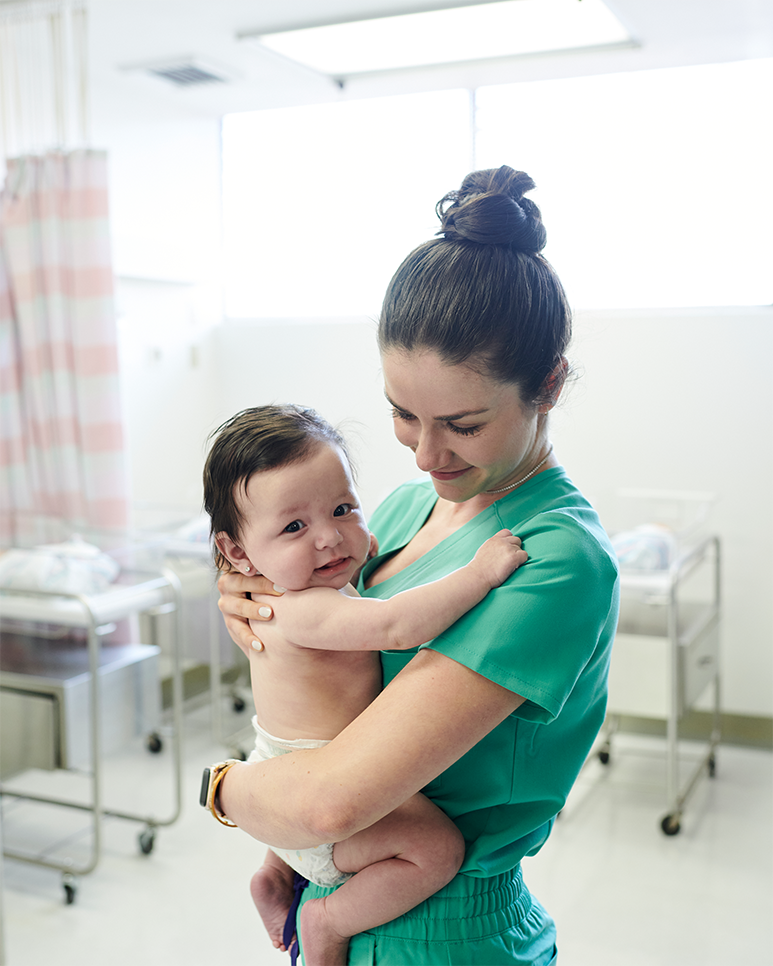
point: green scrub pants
(470, 922)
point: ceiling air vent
(186, 71)
(187, 74)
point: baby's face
(303, 522)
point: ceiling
(125, 33)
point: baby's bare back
(300, 692)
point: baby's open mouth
(333, 565)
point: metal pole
(2, 915)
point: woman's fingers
(238, 606)
(236, 583)
(239, 631)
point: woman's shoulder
(556, 518)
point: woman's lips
(444, 477)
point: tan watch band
(216, 774)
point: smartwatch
(210, 784)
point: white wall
(169, 384)
(680, 400)
(164, 167)
(332, 366)
(164, 170)
(673, 400)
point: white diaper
(316, 863)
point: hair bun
(490, 209)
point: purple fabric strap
(299, 884)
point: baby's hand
(499, 556)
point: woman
(493, 719)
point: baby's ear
(373, 550)
(232, 552)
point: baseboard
(750, 731)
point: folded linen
(73, 567)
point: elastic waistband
(467, 908)
(470, 897)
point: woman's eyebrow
(442, 419)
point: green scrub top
(546, 634)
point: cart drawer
(639, 676)
(52, 676)
(699, 664)
(28, 732)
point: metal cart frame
(693, 665)
(157, 594)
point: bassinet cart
(213, 665)
(134, 592)
(666, 656)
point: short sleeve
(535, 634)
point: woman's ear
(551, 388)
(232, 552)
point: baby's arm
(325, 620)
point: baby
(278, 487)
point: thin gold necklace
(524, 478)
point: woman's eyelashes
(401, 414)
(458, 430)
(463, 430)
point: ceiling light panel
(502, 29)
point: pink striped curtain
(61, 434)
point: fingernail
(258, 645)
(265, 612)
(279, 590)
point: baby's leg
(272, 892)
(399, 861)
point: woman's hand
(238, 609)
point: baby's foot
(322, 946)
(272, 894)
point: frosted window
(322, 202)
(655, 185)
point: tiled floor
(623, 894)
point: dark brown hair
(482, 294)
(261, 438)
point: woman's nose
(429, 453)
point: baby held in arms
(278, 488)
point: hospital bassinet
(75, 685)
(665, 658)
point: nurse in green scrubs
(493, 719)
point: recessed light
(505, 28)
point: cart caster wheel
(670, 825)
(712, 767)
(70, 889)
(154, 743)
(239, 704)
(147, 839)
(604, 757)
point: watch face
(204, 794)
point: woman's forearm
(277, 801)
(431, 714)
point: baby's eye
(293, 527)
(342, 509)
